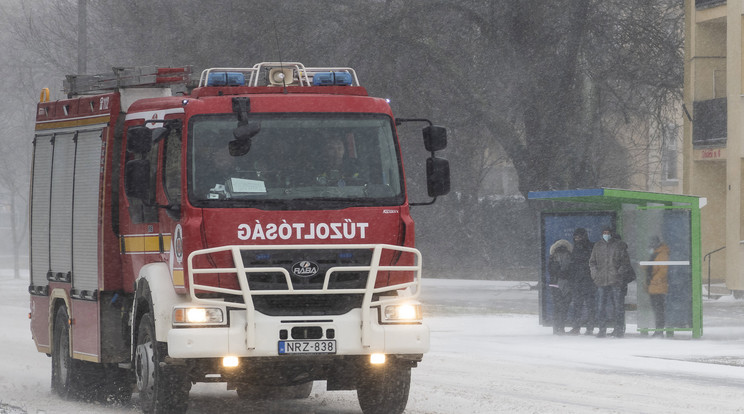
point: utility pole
(82, 37)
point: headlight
(198, 316)
(402, 313)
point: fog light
(377, 359)
(230, 361)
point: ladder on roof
(126, 77)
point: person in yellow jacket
(657, 284)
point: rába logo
(305, 268)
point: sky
(488, 354)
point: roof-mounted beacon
(279, 74)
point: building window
(669, 154)
(709, 122)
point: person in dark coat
(559, 268)
(628, 275)
(607, 264)
(583, 289)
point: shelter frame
(619, 201)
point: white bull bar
(413, 288)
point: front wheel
(162, 388)
(384, 389)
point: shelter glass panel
(660, 250)
(557, 226)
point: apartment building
(713, 142)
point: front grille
(306, 305)
(324, 259)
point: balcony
(704, 4)
(709, 125)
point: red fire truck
(251, 229)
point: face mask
(606, 237)
(651, 250)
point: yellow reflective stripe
(145, 243)
(152, 244)
(178, 279)
(42, 125)
(134, 244)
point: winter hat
(580, 232)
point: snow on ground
(488, 355)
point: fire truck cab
(252, 229)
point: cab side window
(140, 175)
(172, 167)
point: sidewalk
(446, 297)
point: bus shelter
(639, 218)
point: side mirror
(137, 179)
(139, 139)
(243, 134)
(239, 148)
(437, 176)
(247, 130)
(435, 138)
(159, 133)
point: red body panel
(40, 323)
(83, 113)
(275, 103)
(86, 341)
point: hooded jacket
(559, 265)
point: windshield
(294, 161)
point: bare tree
(569, 93)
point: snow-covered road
(489, 355)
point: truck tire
(82, 380)
(384, 390)
(162, 388)
(64, 375)
(269, 392)
(72, 379)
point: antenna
(281, 62)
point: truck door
(139, 241)
(169, 196)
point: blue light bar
(332, 79)
(226, 79)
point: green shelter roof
(612, 198)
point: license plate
(307, 347)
